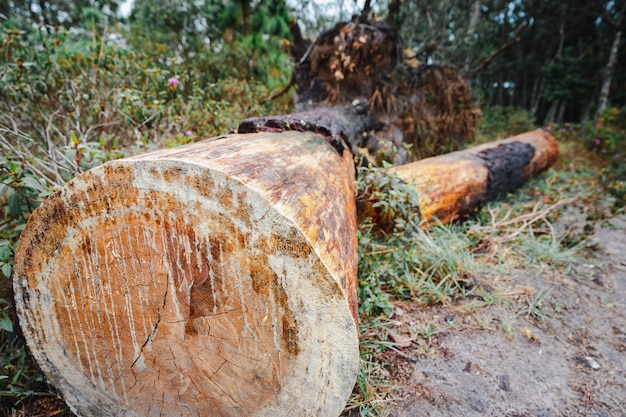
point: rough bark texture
(217, 278)
(351, 125)
(453, 185)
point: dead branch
(282, 91)
(485, 63)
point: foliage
(565, 80)
(102, 92)
(215, 38)
(401, 261)
(607, 139)
(66, 13)
(547, 57)
(498, 122)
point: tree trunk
(551, 113)
(471, 29)
(608, 76)
(536, 96)
(453, 185)
(203, 280)
(561, 113)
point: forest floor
(539, 341)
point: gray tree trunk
(471, 29)
(608, 76)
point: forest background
(82, 83)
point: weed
(429, 330)
(507, 323)
(534, 307)
(500, 122)
(539, 249)
(399, 260)
(488, 297)
(485, 321)
(372, 390)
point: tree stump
(217, 278)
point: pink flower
(189, 133)
(597, 141)
(173, 82)
(618, 155)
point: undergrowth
(70, 104)
(545, 224)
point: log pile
(219, 278)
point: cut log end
(159, 286)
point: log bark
(217, 278)
(453, 185)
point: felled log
(453, 185)
(217, 278)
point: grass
(543, 226)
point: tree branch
(282, 91)
(366, 10)
(485, 63)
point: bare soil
(553, 345)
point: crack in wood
(152, 335)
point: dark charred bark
(505, 165)
(453, 185)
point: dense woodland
(561, 61)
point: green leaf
(6, 324)
(14, 204)
(33, 183)
(7, 269)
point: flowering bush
(608, 138)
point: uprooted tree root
(363, 63)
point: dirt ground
(561, 351)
